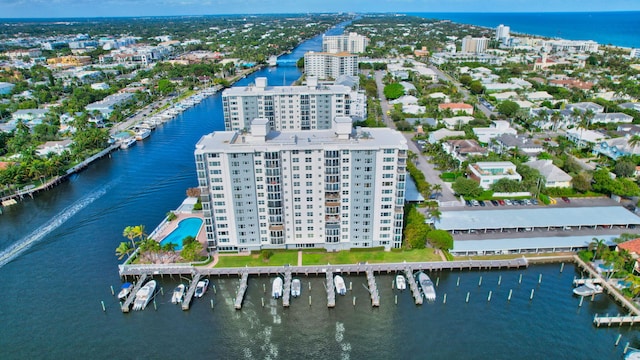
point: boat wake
(26, 242)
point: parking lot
(572, 202)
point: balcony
(276, 227)
(331, 218)
(332, 203)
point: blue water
(59, 265)
(620, 28)
(186, 227)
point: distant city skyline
(106, 8)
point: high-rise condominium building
(336, 189)
(330, 66)
(308, 107)
(474, 45)
(502, 33)
(351, 43)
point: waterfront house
(633, 247)
(53, 147)
(497, 128)
(583, 138)
(27, 115)
(436, 136)
(488, 172)
(615, 148)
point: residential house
(615, 148)
(584, 106)
(538, 96)
(108, 104)
(633, 247)
(6, 88)
(553, 175)
(497, 128)
(508, 95)
(522, 144)
(462, 149)
(630, 105)
(53, 147)
(489, 172)
(584, 138)
(457, 122)
(27, 115)
(436, 136)
(612, 118)
(456, 108)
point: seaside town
(408, 145)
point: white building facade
(329, 66)
(310, 107)
(351, 43)
(334, 189)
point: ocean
(57, 265)
(619, 28)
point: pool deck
(166, 227)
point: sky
(106, 8)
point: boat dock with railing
(192, 289)
(126, 306)
(241, 290)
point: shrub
(171, 216)
(266, 254)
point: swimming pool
(186, 227)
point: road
(431, 174)
(465, 93)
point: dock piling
(520, 279)
(262, 299)
(354, 301)
(444, 299)
(437, 281)
(532, 292)
(581, 300)
(489, 297)
(467, 300)
(458, 282)
(396, 299)
(510, 292)
(155, 307)
(618, 339)
(626, 348)
(561, 267)
(480, 281)
(539, 279)
(103, 308)
(112, 292)
(499, 280)
(211, 304)
(162, 291)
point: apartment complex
(351, 43)
(330, 66)
(336, 189)
(310, 107)
(474, 45)
(503, 33)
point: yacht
(426, 284)
(588, 289)
(201, 288)
(338, 282)
(296, 287)
(127, 143)
(144, 295)
(276, 288)
(142, 134)
(178, 293)
(401, 282)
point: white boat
(338, 282)
(296, 287)
(178, 293)
(633, 354)
(401, 282)
(125, 289)
(144, 295)
(127, 143)
(142, 134)
(276, 288)
(588, 289)
(427, 286)
(201, 288)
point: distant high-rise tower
(351, 43)
(474, 45)
(502, 33)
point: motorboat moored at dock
(428, 290)
(276, 288)
(144, 295)
(178, 294)
(338, 282)
(401, 282)
(588, 289)
(125, 289)
(296, 287)
(201, 288)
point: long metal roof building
(539, 217)
(526, 245)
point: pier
(413, 286)
(132, 295)
(634, 312)
(241, 290)
(616, 320)
(192, 289)
(373, 289)
(586, 280)
(286, 293)
(331, 291)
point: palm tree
(437, 188)
(556, 116)
(597, 245)
(634, 141)
(130, 233)
(435, 215)
(139, 233)
(123, 250)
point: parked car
(526, 202)
(534, 201)
(468, 203)
(507, 202)
(482, 203)
(495, 203)
(566, 199)
(501, 202)
(475, 202)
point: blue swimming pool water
(186, 227)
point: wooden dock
(241, 290)
(286, 293)
(585, 280)
(186, 302)
(413, 286)
(634, 312)
(616, 320)
(331, 291)
(126, 306)
(373, 289)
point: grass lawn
(279, 258)
(354, 257)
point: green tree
(508, 108)
(191, 251)
(465, 79)
(165, 87)
(625, 168)
(581, 182)
(597, 246)
(393, 91)
(476, 87)
(466, 187)
(440, 239)
(123, 250)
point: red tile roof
(455, 106)
(632, 246)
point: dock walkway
(126, 306)
(413, 286)
(331, 291)
(286, 293)
(616, 320)
(373, 289)
(241, 290)
(192, 289)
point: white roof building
(554, 176)
(497, 128)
